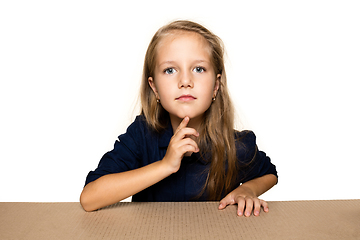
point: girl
(183, 146)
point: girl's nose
(185, 81)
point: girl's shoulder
(245, 136)
(137, 130)
(245, 142)
(140, 119)
(139, 124)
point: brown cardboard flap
(337, 219)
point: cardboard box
(338, 219)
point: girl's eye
(170, 71)
(199, 69)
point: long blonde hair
(217, 129)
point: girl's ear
(217, 85)
(153, 87)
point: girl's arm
(112, 188)
(246, 195)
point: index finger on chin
(183, 124)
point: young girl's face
(184, 79)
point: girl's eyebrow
(194, 62)
(201, 61)
(167, 62)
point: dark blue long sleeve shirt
(141, 146)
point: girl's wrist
(167, 167)
(246, 191)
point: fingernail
(247, 214)
(240, 213)
(256, 213)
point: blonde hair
(217, 130)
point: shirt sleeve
(253, 162)
(125, 155)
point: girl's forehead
(174, 34)
(179, 36)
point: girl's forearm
(112, 188)
(260, 185)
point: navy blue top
(141, 146)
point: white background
(70, 74)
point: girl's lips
(186, 98)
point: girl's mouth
(186, 98)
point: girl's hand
(180, 144)
(246, 200)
